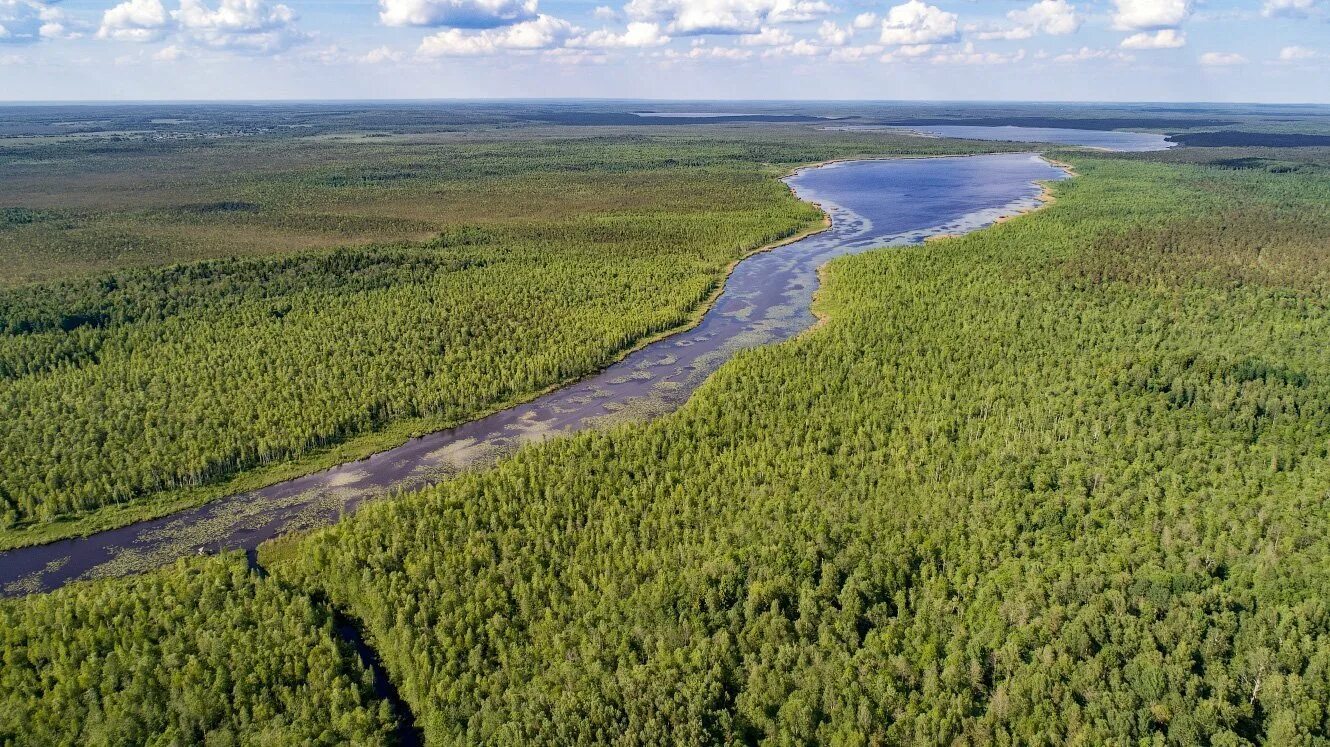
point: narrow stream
(407, 733)
(765, 300)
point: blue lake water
(766, 300)
(1107, 139)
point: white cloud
(1162, 39)
(169, 53)
(1052, 17)
(703, 52)
(968, 55)
(1222, 59)
(465, 14)
(1288, 8)
(570, 57)
(916, 23)
(1150, 15)
(544, 32)
(854, 54)
(1088, 53)
(834, 35)
(908, 52)
(380, 55)
(686, 17)
(254, 26)
(865, 21)
(1297, 54)
(638, 34)
(801, 48)
(767, 37)
(29, 21)
(605, 13)
(135, 20)
(1014, 33)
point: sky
(1021, 50)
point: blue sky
(1079, 50)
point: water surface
(766, 299)
(1135, 142)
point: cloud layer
(673, 32)
(251, 26)
(465, 14)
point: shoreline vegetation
(350, 451)
(162, 503)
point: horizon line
(611, 99)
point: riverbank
(352, 450)
(766, 299)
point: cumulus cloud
(800, 48)
(605, 13)
(767, 37)
(135, 20)
(1052, 17)
(686, 17)
(916, 23)
(1222, 59)
(29, 21)
(1150, 15)
(833, 35)
(1288, 8)
(1161, 39)
(1297, 54)
(463, 14)
(541, 33)
(638, 34)
(239, 25)
(865, 21)
(253, 26)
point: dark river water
(766, 299)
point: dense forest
(155, 385)
(1061, 481)
(207, 652)
(1058, 482)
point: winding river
(766, 299)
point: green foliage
(150, 386)
(156, 379)
(1059, 482)
(73, 208)
(205, 652)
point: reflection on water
(765, 300)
